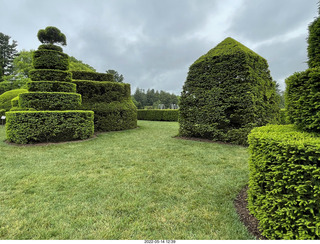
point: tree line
(154, 99)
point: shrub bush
(50, 47)
(93, 76)
(95, 91)
(50, 59)
(50, 100)
(51, 86)
(284, 185)
(2, 112)
(303, 99)
(228, 91)
(113, 116)
(5, 98)
(50, 75)
(25, 127)
(158, 114)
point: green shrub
(50, 47)
(303, 99)
(95, 91)
(284, 185)
(5, 98)
(15, 102)
(51, 86)
(228, 92)
(283, 117)
(50, 59)
(158, 114)
(50, 75)
(314, 44)
(94, 76)
(6, 86)
(50, 100)
(2, 112)
(113, 116)
(26, 127)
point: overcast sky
(153, 42)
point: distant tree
(22, 63)
(8, 52)
(78, 65)
(52, 35)
(116, 76)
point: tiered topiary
(111, 101)
(228, 91)
(52, 95)
(284, 185)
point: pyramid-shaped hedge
(228, 91)
(49, 112)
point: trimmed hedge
(50, 75)
(5, 98)
(284, 185)
(97, 91)
(50, 100)
(158, 114)
(303, 99)
(93, 76)
(51, 86)
(25, 127)
(50, 59)
(50, 47)
(113, 116)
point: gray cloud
(153, 43)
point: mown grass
(134, 184)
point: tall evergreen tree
(314, 43)
(8, 52)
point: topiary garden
(228, 92)
(284, 185)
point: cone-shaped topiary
(228, 91)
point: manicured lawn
(134, 184)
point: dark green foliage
(158, 114)
(228, 92)
(50, 47)
(283, 117)
(113, 116)
(2, 112)
(48, 126)
(50, 100)
(93, 76)
(6, 86)
(314, 44)
(116, 76)
(96, 91)
(7, 54)
(51, 86)
(50, 75)
(51, 35)
(50, 59)
(5, 98)
(303, 99)
(284, 185)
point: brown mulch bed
(246, 218)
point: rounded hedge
(5, 98)
(50, 75)
(51, 86)
(93, 76)
(303, 99)
(50, 59)
(50, 47)
(50, 100)
(25, 127)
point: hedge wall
(158, 114)
(303, 99)
(284, 185)
(228, 92)
(96, 91)
(51, 86)
(50, 75)
(50, 100)
(50, 59)
(93, 76)
(48, 126)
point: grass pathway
(135, 184)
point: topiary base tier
(27, 127)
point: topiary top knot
(51, 35)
